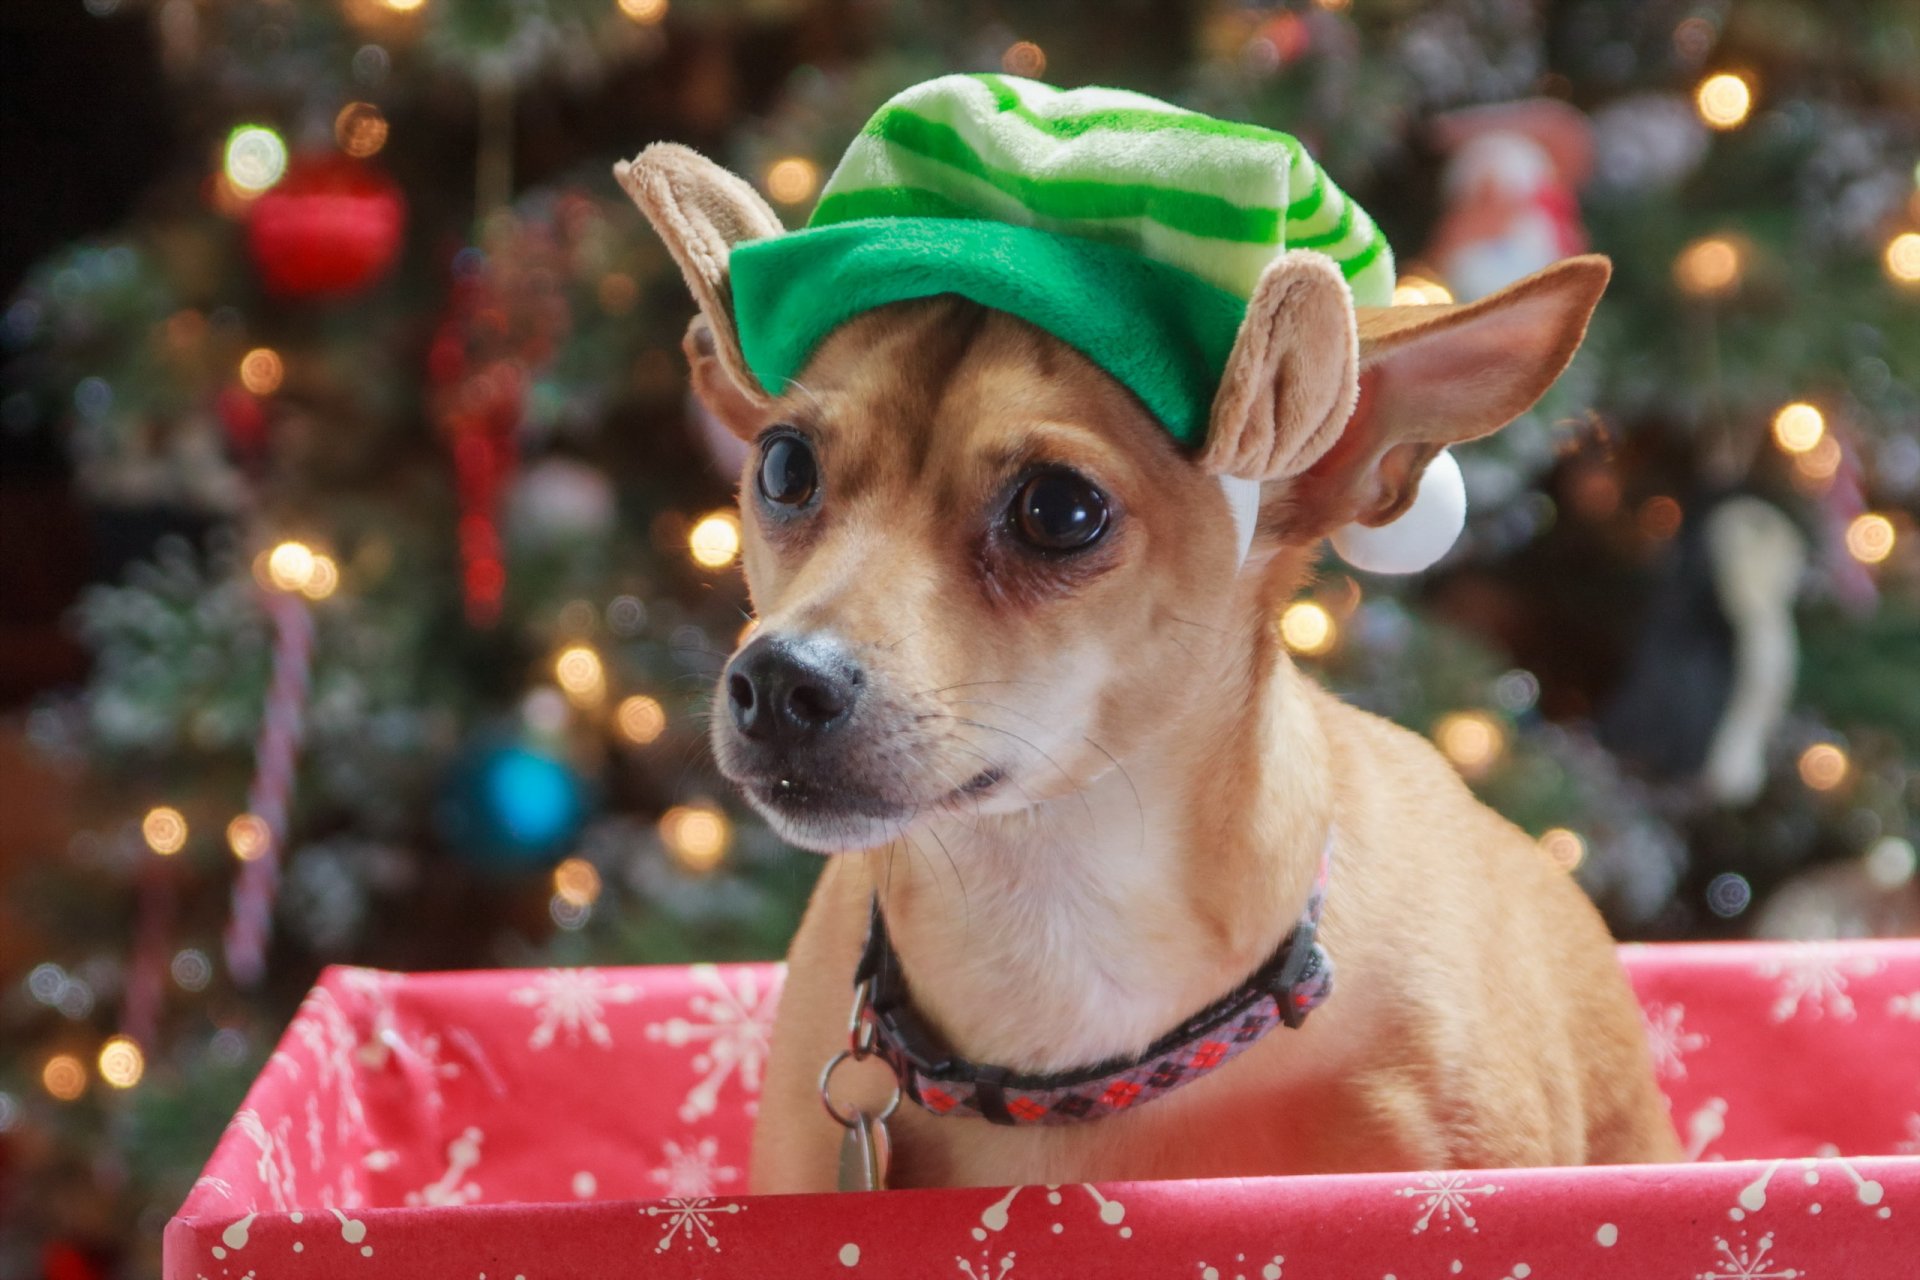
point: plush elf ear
(1433, 376)
(701, 211)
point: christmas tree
(414, 563)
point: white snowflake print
(732, 1024)
(692, 1170)
(1271, 1269)
(688, 1219)
(1814, 977)
(1669, 1039)
(1905, 1006)
(1745, 1262)
(1446, 1196)
(452, 1186)
(987, 1270)
(574, 1001)
(997, 1215)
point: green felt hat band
(1161, 332)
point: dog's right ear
(701, 211)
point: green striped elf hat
(1087, 212)
(1132, 230)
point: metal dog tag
(864, 1154)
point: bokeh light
(164, 829)
(1724, 100)
(696, 836)
(1709, 267)
(1902, 258)
(322, 580)
(64, 1076)
(249, 836)
(1870, 538)
(1420, 291)
(255, 158)
(640, 719)
(1307, 628)
(579, 672)
(577, 882)
(261, 371)
(715, 540)
(792, 179)
(1564, 848)
(121, 1062)
(289, 565)
(1823, 766)
(645, 12)
(360, 130)
(1799, 427)
(1024, 58)
(1471, 740)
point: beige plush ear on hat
(701, 211)
(1290, 381)
(1428, 377)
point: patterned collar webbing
(1296, 980)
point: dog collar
(1293, 982)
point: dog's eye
(788, 473)
(1059, 510)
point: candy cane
(275, 755)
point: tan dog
(1005, 670)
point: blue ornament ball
(513, 807)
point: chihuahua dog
(1006, 672)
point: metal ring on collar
(847, 1121)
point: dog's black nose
(787, 690)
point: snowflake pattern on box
(692, 1168)
(1448, 1197)
(1669, 1040)
(1813, 980)
(689, 1219)
(732, 1023)
(1274, 1268)
(574, 1001)
(1747, 1262)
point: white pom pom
(1422, 533)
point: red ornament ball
(330, 228)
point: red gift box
(586, 1123)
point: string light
(1564, 848)
(1902, 258)
(715, 540)
(1420, 291)
(121, 1062)
(696, 836)
(1822, 462)
(1870, 538)
(644, 12)
(248, 836)
(1472, 740)
(579, 672)
(165, 830)
(64, 1076)
(792, 179)
(1659, 518)
(1799, 427)
(576, 882)
(1709, 267)
(1024, 58)
(1823, 766)
(1724, 100)
(1307, 628)
(640, 719)
(289, 565)
(255, 159)
(403, 6)
(360, 129)
(261, 371)
(322, 580)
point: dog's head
(983, 572)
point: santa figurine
(1512, 172)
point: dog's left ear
(1355, 403)
(701, 211)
